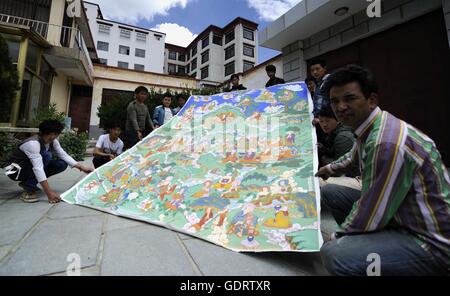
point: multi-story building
(125, 46)
(212, 57)
(216, 53)
(51, 44)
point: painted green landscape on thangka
(235, 169)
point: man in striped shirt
(402, 214)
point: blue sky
(182, 20)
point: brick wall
(294, 65)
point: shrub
(115, 106)
(74, 144)
(9, 143)
(45, 113)
(8, 81)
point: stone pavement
(36, 239)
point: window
(139, 67)
(229, 69)
(124, 50)
(187, 56)
(249, 51)
(204, 72)
(205, 42)
(157, 36)
(194, 75)
(248, 65)
(103, 61)
(194, 50)
(194, 64)
(249, 34)
(125, 33)
(172, 55)
(217, 39)
(140, 36)
(102, 28)
(181, 70)
(172, 68)
(140, 53)
(205, 56)
(182, 57)
(188, 66)
(229, 52)
(102, 45)
(229, 36)
(122, 65)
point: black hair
(309, 79)
(167, 95)
(327, 112)
(51, 126)
(353, 73)
(317, 62)
(113, 125)
(271, 68)
(140, 89)
(182, 97)
(233, 76)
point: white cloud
(131, 11)
(176, 34)
(270, 10)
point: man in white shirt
(32, 162)
(108, 147)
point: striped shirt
(405, 184)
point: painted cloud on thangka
(235, 169)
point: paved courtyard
(36, 239)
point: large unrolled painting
(235, 169)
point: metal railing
(43, 29)
(39, 27)
(69, 37)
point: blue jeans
(399, 253)
(51, 167)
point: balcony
(67, 53)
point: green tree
(8, 81)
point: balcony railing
(39, 27)
(45, 29)
(57, 35)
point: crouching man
(32, 162)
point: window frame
(202, 71)
(245, 29)
(234, 68)
(229, 33)
(205, 53)
(231, 47)
(248, 62)
(136, 51)
(118, 65)
(107, 45)
(248, 46)
(124, 46)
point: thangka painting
(235, 169)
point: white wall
(258, 78)
(154, 49)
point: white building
(125, 46)
(216, 53)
